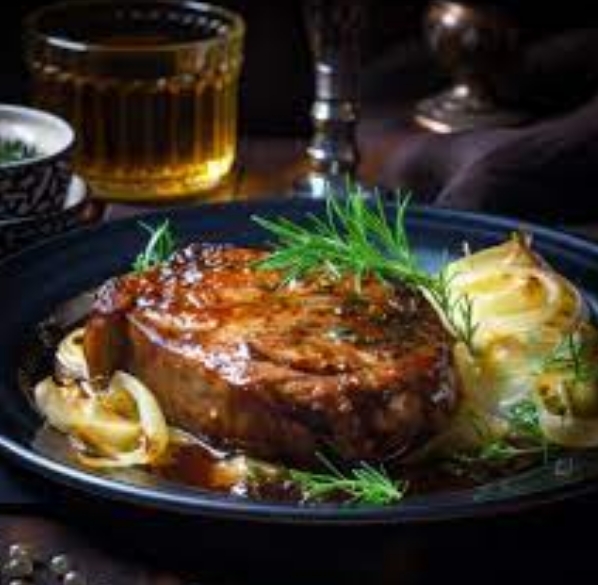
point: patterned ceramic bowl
(78, 209)
(35, 162)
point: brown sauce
(198, 466)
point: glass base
(213, 176)
(459, 109)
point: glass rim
(62, 42)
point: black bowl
(18, 233)
(37, 184)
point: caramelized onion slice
(569, 431)
(70, 410)
(523, 308)
(514, 293)
(70, 357)
(568, 410)
(106, 438)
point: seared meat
(280, 371)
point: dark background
(558, 68)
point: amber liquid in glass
(140, 137)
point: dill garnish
(574, 357)
(351, 239)
(362, 485)
(357, 238)
(524, 438)
(159, 248)
(14, 151)
(524, 421)
(456, 307)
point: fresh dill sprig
(159, 248)
(15, 150)
(352, 238)
(573, 356)
(495, 451)
(456, 307)
(523, 438)
(363, 485)
(524, 421)
(357, 238)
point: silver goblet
(477, 44)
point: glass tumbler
(151, 87)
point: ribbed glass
(150, 87)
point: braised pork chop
(281, 371)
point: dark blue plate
(34, 283)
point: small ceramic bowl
(78, 209)
(39, 182)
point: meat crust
(280, 371)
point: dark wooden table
(542, 546)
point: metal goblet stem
(334, 29)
